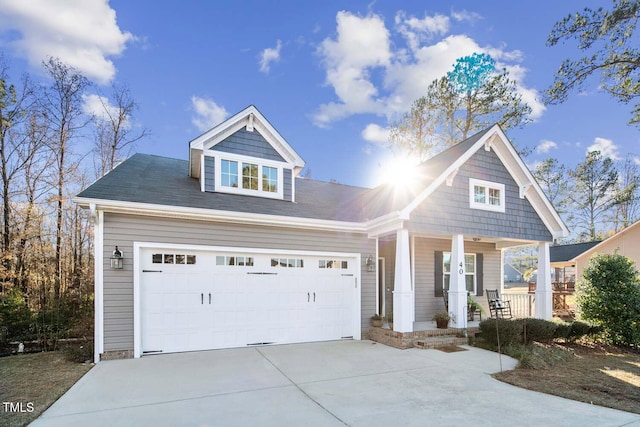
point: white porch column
(544, 291)
(402, 294)
(457, 284)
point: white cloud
(361, 44)
(268, 56)
(82, 33)
(636, 160)
(545, 146)
(372, 73)
(376, 134)
(464, 15)
(208, 113)
(101, 108)
(606, 147)
(416, 30)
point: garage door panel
(291, 300)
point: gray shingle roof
(563, 253)
(145, 178)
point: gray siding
(123, 230)
(287, 188)
(427, 304)
(248, 144)
(447, 209)
(209, 173)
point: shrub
(563, 330)
(15, 314)
(509, 331)
(578, 330)
(538, 330)
(609, 296)
(78, 352)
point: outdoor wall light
(371, 265)
(117, 259)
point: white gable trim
(250, 118)
(496, 139)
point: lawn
(34, 382)
(592, 373)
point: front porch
(421, 275)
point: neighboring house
(563, 260)
(625, 242)
(231, 248)
(511, 274)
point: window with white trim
(469, 271)
(229, 175)
(269, 179)
(249, 176)
(486, 195)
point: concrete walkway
(354, 383)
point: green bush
(578, 330)
(15, 314)
(563, 329)
(609, 295)
(78, 352)
(509, 331)
(538, 330)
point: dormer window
(485, 195)
(269, 179)
(229, 174)
(249, 176)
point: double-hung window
(486, 195)
(469, 271)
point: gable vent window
(486, 195)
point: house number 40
(461, 271)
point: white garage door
(197, 300)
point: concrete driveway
(354, 383)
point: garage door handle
(308, 297)
(201, 298)
(209, 297)
(314, 297)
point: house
(512, 274)
(625, 242)
(232, 248)
(563, 262)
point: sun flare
(401, 171)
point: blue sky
(328, 75)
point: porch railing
(522, 305)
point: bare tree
(62, 104)
(14, 103)
(627, 198)
(115, 131)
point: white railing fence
(522, 305)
